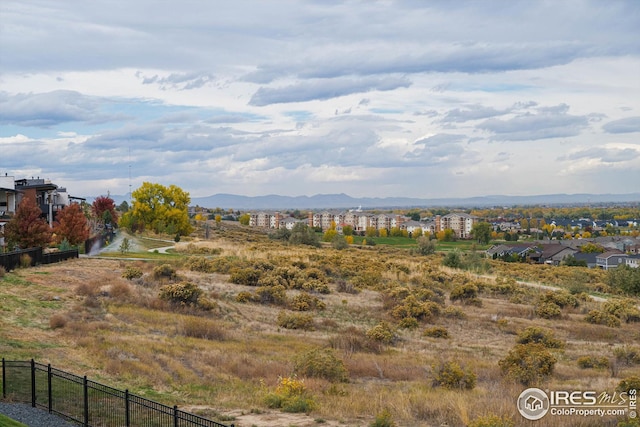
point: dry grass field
(364, 330)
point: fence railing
(11, 260)
(87, 402)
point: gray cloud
(324, 89)
(604, 154)
(626, 125)
(48, 109)
(180, 81)
(546, 122)
(249, 96)
(472, 112)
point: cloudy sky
(368, 98)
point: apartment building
(359, 221)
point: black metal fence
(11, 260)
(87, 402)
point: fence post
(175, 416)
(86, 401)
(4, 381)
(126, 408)
(33, 383)
(49, 392)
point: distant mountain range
(344, 201)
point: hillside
(222, 356)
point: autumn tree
(244, 219)
(27, 229)
(446, 235)
(481, 231)
(159, 208)
(72, 225)
(104, 210)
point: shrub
(593, 362)
(534, 334)
(452, 376)
(246, 276)
(452, 259)
(600, 317)
(338, 242)
(623, 309)
(408, 323)
(184, 294)
(291, 395)
(453, 312)
(164, 271)
(305, 302)
(383, 419)
(629, 383)
(528, 364)
(560, 298)
(3, 271)
(627, 355)
(436, 332)
(548, 310)
(244, 296)
(198, 263)
(419, 310)
(492, 421)
(25, 261)
(271, 295)
(382, 333)
(295, 320)
(464, 293)
(321, 363)
(58, 321)
(222, 265)
(131, 273)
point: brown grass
(224, 359)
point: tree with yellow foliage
(159, 208)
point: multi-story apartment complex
(460, 223)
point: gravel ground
(33, 417)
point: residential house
(589, 258)
(633, 261)
(8, 196)
(610, 259)
(555, 253)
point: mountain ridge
(344, 201)
(341, 200)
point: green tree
(72, 225)
(161, 209)
(347, 230)
(426, 246)
(301, 234)
(625, 278)
(481, 231)
(123, 207)
(339, 242)
(27, 228)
